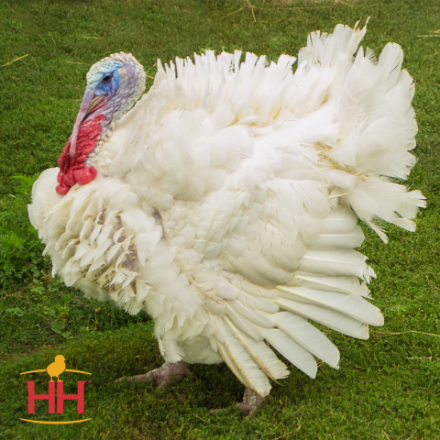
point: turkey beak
(88, 103)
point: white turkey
(225, 202)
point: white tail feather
(292, 351)
(346, 285)
(351, 305)
(249, 372)
(339, 221)
(262, 355)
(345, 240)
(334, 262)
(334, 320)
(309, 337)
(377, 198)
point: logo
(55, 369)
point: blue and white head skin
(114, 84)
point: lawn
(386, 388)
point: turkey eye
(106, 79)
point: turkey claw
(165, 375)
(251, 402)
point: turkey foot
(165, 375)
(251, 401)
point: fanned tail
(377, 129)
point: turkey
(224, 202)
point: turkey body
(225, 203)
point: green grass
(386, 388)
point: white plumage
(226, 203)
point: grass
(387, 388)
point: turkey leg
(251, 401)
(165, 375)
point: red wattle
(62, 189)
(85, 175)
(73, 169)
(68, 178)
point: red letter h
(79, 397)
(32, 397)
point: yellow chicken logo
(56, 368)
(55, 399)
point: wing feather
(292, 351)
